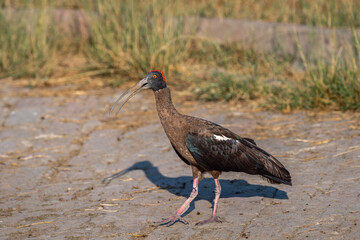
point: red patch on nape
(162, 74)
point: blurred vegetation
(128, 38)
(337, 13)
(27, 50)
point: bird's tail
(268, 167)
(275, 172)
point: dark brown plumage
(194, 142)
(208, 147)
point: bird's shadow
(182, 186)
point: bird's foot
(212, 219)
(171, 220)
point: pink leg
(214, 218)
(177, 216)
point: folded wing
(219, 149)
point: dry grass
(327, 13)
(125, 46)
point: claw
(170, 221)
(212, 219)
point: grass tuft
(131, 38)
(29, 44)
(228, 87)
(321, 88)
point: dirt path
(56, 149)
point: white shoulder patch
(222, 138)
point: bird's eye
(154, 76)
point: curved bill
(143, 84)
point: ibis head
(154, 80)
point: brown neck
(164, 105)
(174, 123)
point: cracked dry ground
(57, 144)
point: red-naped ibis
(206, 146)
